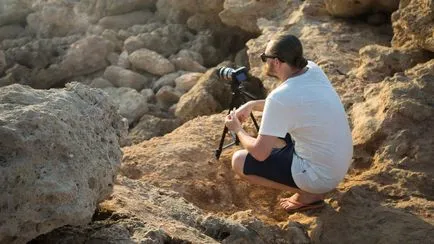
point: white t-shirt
(309, 109)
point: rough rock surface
(413, 25)
(164, 216)
(378, 62)
(59, 155)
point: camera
(231, 74)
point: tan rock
(378, 62)
(150, 61)
(413, 26)
(185, 82)
(121, 77)
(210, 95)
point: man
(307, 113)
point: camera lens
(225, 73)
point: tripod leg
(222, 140)
(254, 122)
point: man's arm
(260, 148)
(257, 105)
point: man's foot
(301, 202)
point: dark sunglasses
(264, 57)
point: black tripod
(239, 97)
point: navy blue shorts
(277, 167)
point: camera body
(237, 75)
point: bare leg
(300, 196)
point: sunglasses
(264, 57)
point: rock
(113, 37)
(166, 80)
(239, 13)
(413, 26)
(204, 21)
(59, 156)
(150, 61)
(133, 43)
(100, 83)
(168, 39)
(150, 126)
(183, 222)
(100, 8)
(342, 8)
(148, 94)
(125, 20)
(121, 77)
(185, 82)
(394, 114)
(378, 62)
(167, 96)
(10, 32)
(123, 60)
(56, 19)
(113, 58)
(13, 17)
(85, 56)
(166, 11)
(132, 105)
(139, 29)
(2, 61)
(208, 96)
(188, 60)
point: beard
(269, 70)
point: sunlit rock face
(59, 156)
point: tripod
(239, 97)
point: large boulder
(152, 62)
(413, 25)
(59, 155)
(393, 134)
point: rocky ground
(156, 62)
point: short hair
(288, 49)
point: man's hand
(232, 122)
(243, 112)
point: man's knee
(238, 161)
